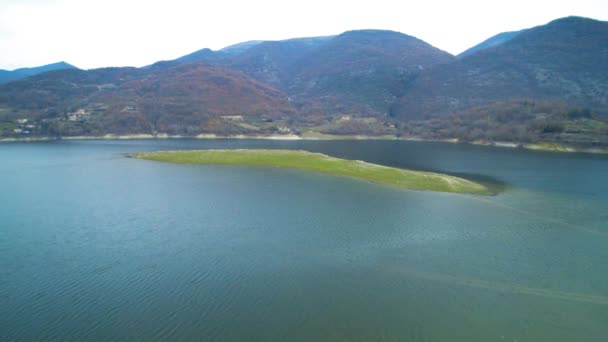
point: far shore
(540, 146)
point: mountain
(548, 83)
(186, 99)
(358, 72)
(565, 60)
(361, 72)
(491, 42)
(272, 61)
(544, 84)
(7, 76)
(208, 55)
(197, 56)
(228, 55)
(240, 47)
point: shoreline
(540, 146)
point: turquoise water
(96, 246)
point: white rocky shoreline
(550, 147)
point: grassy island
(318, 162)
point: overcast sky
(97, 33)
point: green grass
(6, 128)
(586, 125)
(317, 162)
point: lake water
(96, 246)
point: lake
(97, 246)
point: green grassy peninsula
(318, 162)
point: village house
(78, 115)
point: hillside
(491, 42)
(564, 60)
(357, 72)
(549, 83)
(17, 74)
(185, 99)
(208, 55)
(544, 84)
(361, 72)
(267, 61)
(517, 121)
(240, 47)
(272, 61)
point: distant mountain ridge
(566, 59)
(183, 99)
(496, 40)
(208, 55)
(546, 83)
(7, 76)
(240, 47)
(362, 70)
